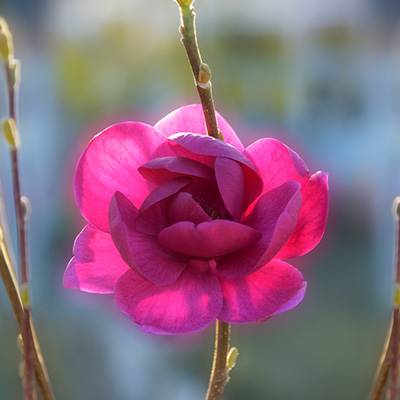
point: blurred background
(321, 76)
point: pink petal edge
(97, 265)
(274, 288)
(191, 119)
(110, 163)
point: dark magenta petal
(205, 148)
(187, 305)
(230, 180)
(182, 207)
(97, 264)
(110, 163)
(274, 288)
(208, 239)
(275, 216)
(151, 217)
(140, 251)
(160, 170)
(312, 219)
(191, 119)
(277, 164)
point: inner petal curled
(208, 239)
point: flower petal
(208, 239)
(275, 215)
(140, 251)
(97, 264)
(160, 170)
(151, 217)
(230, 179)
(191, 119)
(205, 148)
(110, 163)
(182, 207)
(312, 219)
(274, 288)
(276, 164)
(187, 305)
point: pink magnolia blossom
(184, 228)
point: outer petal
(191, 119)
(208, 239)
(275, 216)
(187, 305)
(312, 220)
(110, 164)
(97, 264)
(272, 289)
(276, 164)
(140, 251)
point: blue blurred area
(324, 77)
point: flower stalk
(220, 369)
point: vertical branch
(388, 367)
(201, 72)
(11, 72)
(395, 339)
(10, 282)
(33, 361)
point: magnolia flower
(184, 228)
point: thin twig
(31, 351)
(395, 339)
(388, 367)
(21, 229)
(10, 282)
(201, 71)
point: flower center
(210, 210)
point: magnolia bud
(11, 132)
(25, 295)
(184, 3)
(396, 207)
(6, 42)
(20, 343)
(15, 70)
(204, 74)
(396, 295)
(26, 206)
(231, 358)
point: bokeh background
(322, 76)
